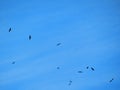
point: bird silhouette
(80, 71)
(87, 67)
(30, 37)
(13, 62)
(58, 44)
(10, 30)
(58, 67)
(70, 82)
(111, 80)
(92, 69)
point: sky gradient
(89, 33)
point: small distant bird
(13, 62)
(111, 80)
(58, 44)
(70, 82)
(10, 29)
(92, 69)
(58, 67)
(87, 67)
(30, 37)
(80, 71)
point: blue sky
(89, 33)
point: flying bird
(13, 62)
(70, 82)
(30, 37)
(9, 29)
(92, 69)
(111, 80)
(87, 67)
(80, 71)
(58, 44)
(58, 67)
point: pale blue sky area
(89, 33)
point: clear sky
(89, 33)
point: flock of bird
(58, 44)
(70, 82)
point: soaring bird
(87, 67)
(13, 62)
(70, 82)
(9, 29)
(58, 67)
(111, 80)
(30, 37)
(92, 69)
(80, 71)
(58, 44)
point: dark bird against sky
(70, 82)
(30, 37)
(87, 67)
(80, 71)
(13, 62)
(111, 80)
(58, 67)
(92, 69)
(10, 29)
(58, 44)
